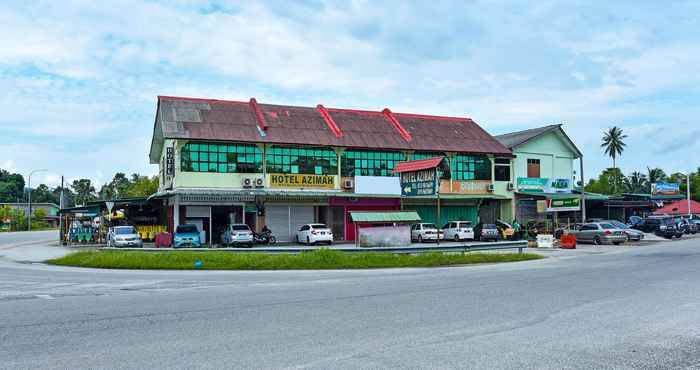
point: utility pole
(690, 214)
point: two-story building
(283, 166)
(545, 172)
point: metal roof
(417, 165)
(515, 139)
(380, 217)
(224, 120)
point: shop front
(342, 225)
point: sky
(79, 79)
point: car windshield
(186, 229)
(465, 224)
(319, 226)
(619, 225)
(489, 226)
(429, 226)
(607, 226)
(124, 230)
(240, 228)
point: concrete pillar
(176, 211)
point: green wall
(555, 155)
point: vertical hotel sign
(169, 161)
(423, 182)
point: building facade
(545, 173)
(284, 166)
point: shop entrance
(222, 216)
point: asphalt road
(14, 238)
(632, 308)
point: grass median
(323, 259)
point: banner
(300, 181)
(563, 205)
(665, 188)
(423, 182)
(543, 185)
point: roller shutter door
(301, 215)
(277, 218)
(447, 213)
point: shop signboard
(464, 186)
(423, 182)
(300, 181)
(665, 188)
(564, 204)
(169, 161)
(543, 185)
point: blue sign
(665, 188)
(423, 182)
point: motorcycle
(264, 237)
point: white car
(237, 234)
(425, 232)
(458, 230)
(314, 234)
(124, 236)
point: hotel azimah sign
(299, 181)
(423, 182)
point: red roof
(417, 165)
(679, 207)
(225, 120)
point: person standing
(516, 230)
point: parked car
(688, 226)
(124, 236)
(187, 235)
(425, 232)
(663, 226)
(487, 232)
(237, 234)
(458, 230)
(632, 234)
(314, 234)
(600, 233)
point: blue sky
(80, 79)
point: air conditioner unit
(247, 182)
(491, 188)
(348, 184)
(259, 183)
(511, 186)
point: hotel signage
(423, 182)
(299, 181)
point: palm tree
(614, 145)
(636, 182)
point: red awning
(679, 207)
(417, 165)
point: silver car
(124, 236)
(600, 233)
(632, 234)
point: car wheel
(597, 241)
(330, 242)
(420, 238)
(456, 238)
(272, 240)
(308, 241)
(617, 243)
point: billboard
(563, 205)
(543, 185)
(665, 188)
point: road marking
(44, 296)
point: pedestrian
(516, 230)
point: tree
(11, 186)
(636, 182)
(144, 186)
(42, 194)
(84, 191)
(614, 144)
(39, 219)
(607, 182)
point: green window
(301, 160)
(471, 167)
(426, 155)
(370, 163)
(222, 158)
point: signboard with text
(300, 181)
(423, 182)
(665, 188)
(543, 185)
(564, 204)
(169, 161)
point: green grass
(317, 260)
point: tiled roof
(417, 165)
(209, 119)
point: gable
(552, 142)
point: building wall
(556, 157)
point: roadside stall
(383, 229)
(81, 225)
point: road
(631, 308)
(23, 237)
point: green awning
(381, 217)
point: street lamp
(690, 214)
(29, 199)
